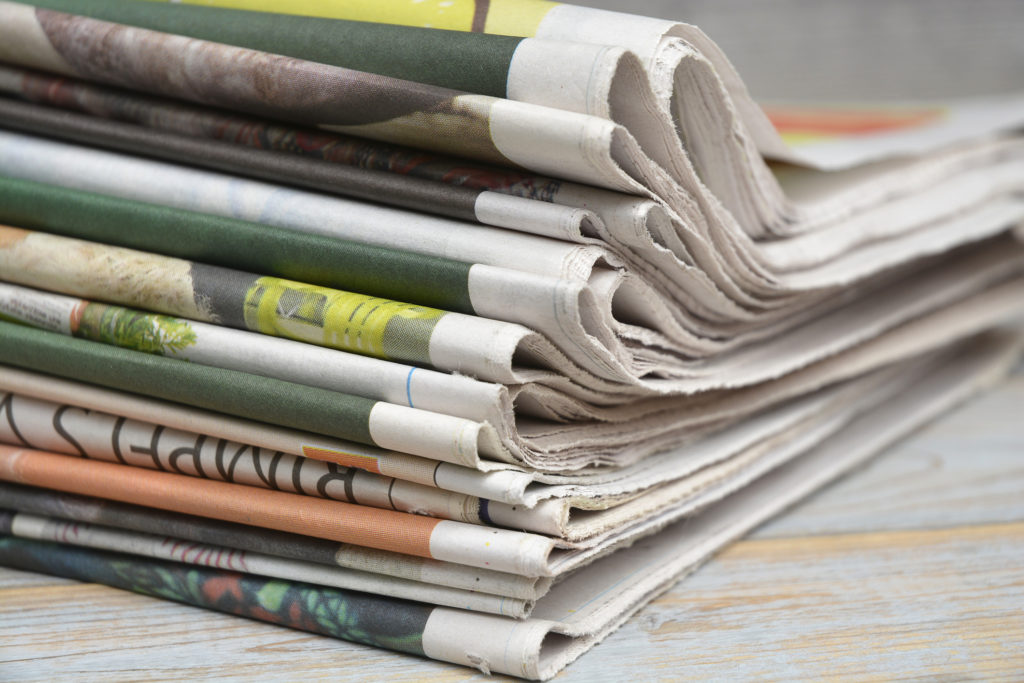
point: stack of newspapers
(453, 341)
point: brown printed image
(250, 81)
(190, 120)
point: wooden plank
(10, 578)
(890, 605)
(967, 468)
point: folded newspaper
(428, 337)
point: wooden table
(912, 567)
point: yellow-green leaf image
(146, 332)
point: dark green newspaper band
(401, 191)
(232, 243)
(227, 391)
(472, 62)
(360, 617)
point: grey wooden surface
(912, 567)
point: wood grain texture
(911, 568)
(967, 468)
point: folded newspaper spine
(477, 546)
(164, 548)
(502, 483)
(229, 348)
(90, 434)
(488, 129)
(402, 191)
(286, 404)
(347, 321)
(305, 549)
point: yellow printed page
(505, 17)
(353, 322)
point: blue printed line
(408, 389)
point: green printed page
(505, 17)
(365, 618)
(227, 391)
(452, 59)
(233, 243)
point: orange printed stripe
(336, 521)
(11, 236)
(370, 463)
(76, 315)
(820, 121)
